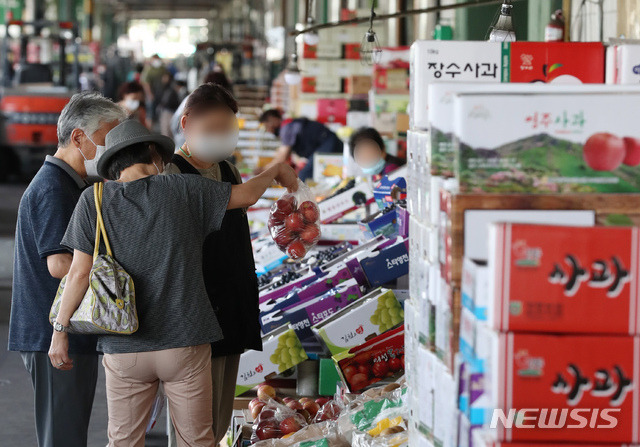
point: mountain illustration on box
(539, 163)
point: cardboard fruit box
(281, 350)
(456, 207)
(565, 62)
(323, 282)
(440, 152)
(447, 61)
(387, 264)
(301, 316)
(592, 380)
(373, 315)
(380, 358)
(564, 279)
(548, 143)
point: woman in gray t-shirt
(156, 226)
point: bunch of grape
(289, 351)
(388, 314)
(329, 254)
(284, 278)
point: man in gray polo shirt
(63, 400)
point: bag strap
(184, 166)
(100, 228)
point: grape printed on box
(388, 314)
(289, 352)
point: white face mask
(156, 63)
(91, 166)
(213, 148)
(131, 104)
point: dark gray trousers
(63, 399)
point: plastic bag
(275, 421)
(294, 222)
(323, 434)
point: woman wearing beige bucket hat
(156, 227)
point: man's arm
(247, 194)
(59, 264)
(74, 290)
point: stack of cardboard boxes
(480, 154)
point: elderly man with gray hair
(63, 399)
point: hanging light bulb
(311, 38)
(370, 50)
(503, 30)
(292, 74)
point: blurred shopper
(302, 138)
(152, 75)
(156, 225)
(169, 103)
(213, 77)
(62, 401)
(211, 129)
(369, 152)
(131, 97)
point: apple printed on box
(378, 358)
(281, 350)
(548, 143)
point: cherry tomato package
(294, 222)
(380, 358)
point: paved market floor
(16, 395)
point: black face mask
(276, 131)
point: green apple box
(281, 350)
(548, 143)
(374, 314)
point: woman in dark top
(369, 152)
(210, 127)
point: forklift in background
(34, 91)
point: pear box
(281, 350)
(548, 143)
(376, 313)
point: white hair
(87, 111)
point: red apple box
(592, 380)
(565, 279)
(549, 61)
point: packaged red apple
(294, 222)
(275, 420)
